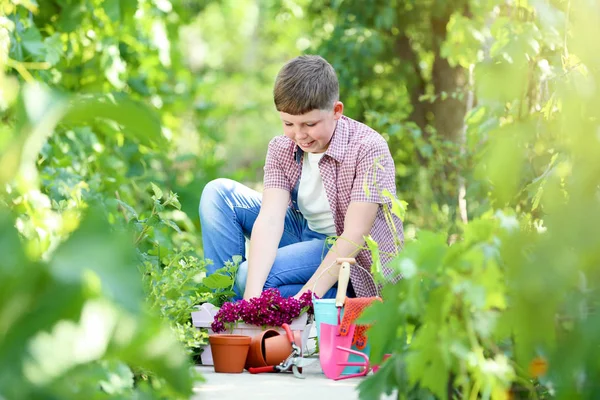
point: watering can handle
(341, 260)
(343, 279)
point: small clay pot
(229, 352)
(278, 348)
(256, 355)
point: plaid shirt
(356, 167)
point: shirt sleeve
(375, 171)
(274, 177)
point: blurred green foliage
(496, 314)
(117, 112)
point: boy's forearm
(263, 249)
(347, 245)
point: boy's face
(312, 131)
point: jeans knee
(212, 194)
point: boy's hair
(306, 83)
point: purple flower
(269, 309)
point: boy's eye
(307, 124)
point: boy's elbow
(269, 222)
(356, 235)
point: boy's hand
(299, 294)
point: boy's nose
(299, 135)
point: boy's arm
(264, 240)
(376, 170)
(357, 224)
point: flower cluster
(269, 309)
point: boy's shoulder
(361, 134)
(359, 128)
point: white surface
(274, 386)
(282, 386)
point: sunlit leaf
(93, 248)
(136, 119)
(129, 209)
(171, 224)
(113, 9)
(217, 281)
(398, 206)
(54, 49)
(31, 40)
(158, 194)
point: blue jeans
(228, 210)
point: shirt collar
(339, 140)
(337, 145)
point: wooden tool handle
(343, 279)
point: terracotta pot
(229, 352)
(278, 348)
(256, 355)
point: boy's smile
(312, 131)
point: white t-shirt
(312, 198)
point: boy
(324, 177)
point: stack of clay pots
(233, 353)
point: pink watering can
(334, 347)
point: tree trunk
(448, 111)
(417, 87)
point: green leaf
(426, 363)
(30, 301)
(153, 220)
(171, 224)
(54, 49)
(154, 347)
(217, 281)
(31, 40)
(537, 198)
(399, 207)
(94, 253)
(118, 379)
(10, 247)
(500, 80)
(129, 209)
(158, 194)
(112, 8)
(391, 375)
(128, 8)
(71, 16)
(505, 159)
(407, 268)
(38, 110)
(172, 200)
(135, 118)
(365, 186)
(374, 250)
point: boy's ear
(338, 109)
